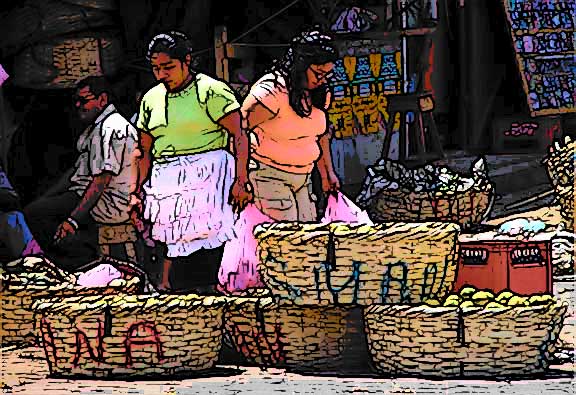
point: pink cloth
(342, 209)
(239, 267)
(3, 75)
(32, 248)
(99, 276)
(286, 141)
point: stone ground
(25, 372)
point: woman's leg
(165, 279)
(306, 201)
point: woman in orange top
(286, 114)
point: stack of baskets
(320, 276)
(561, 165)
(455, 342)
(131, 335)
(41, 280)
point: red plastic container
(524, 267)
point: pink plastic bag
(100, 276)
(342, 209)
(239, 267)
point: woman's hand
(240, 195)
(330, 183)
(65, 229)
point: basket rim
(423, 308)
(125, 303)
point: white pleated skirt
(187, 201)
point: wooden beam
(220, 43)
(239, 51)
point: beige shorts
(281, 195)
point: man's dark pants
(46, 214)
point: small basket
(466, 208)
(131, 335)
(18, 324)
(359, 264)
(451, 342)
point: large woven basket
(358, 265)
(561, 165)
(315, 338)
(451, 342)
(466, 208)
(18, 323)
(131, 335)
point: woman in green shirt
(185, 122)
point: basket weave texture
(401, 205)
(343, 264)
(561, 165)
(451, 342)
(287, 335)
(131, 335)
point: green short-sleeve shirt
(186, 122)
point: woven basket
(358, 265)
(320, 338)
(451, 342)
(465, 208)
(561, 165)
(131, 335)
(289, 253)
(18, 323)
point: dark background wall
(474, 73)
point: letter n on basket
(83, 339)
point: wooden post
(220, 43)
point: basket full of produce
(351, 264)
(131, 335)
(561, 165)
(470, 334)
(281, 334)
(34, 278)
(392, 192)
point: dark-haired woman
(186, 119)
(286, 114)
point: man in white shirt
(101, 185)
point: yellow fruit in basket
(452, 300)
(494, 306)
(504, 296)
(117, 282)
(432, 302)
(518, 301)
(482, 298)
(540, 300)
(467, 304)
(467, 292)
